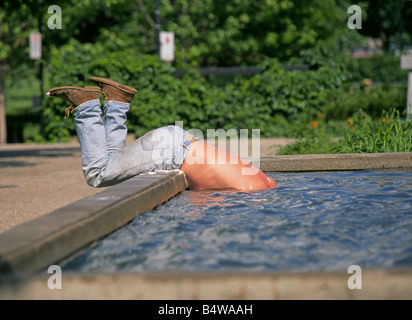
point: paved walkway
(36, 179)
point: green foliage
(246, 32)
(315, 140)
(362, 134)
(264, 101)
(383, 67)
(341, 104)
(388, 20)
(15, 28)
(207, 32)
(211, 32)
(257, 102)
(116, 39)
(73, 64)
(388, 134)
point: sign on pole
(406, 64)
(35, 45)
(167, 46)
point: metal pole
(40, 61)
(3, 122)
(40, 16)
(409, 97)
(400, 29)
(158, 26)
(406, 64)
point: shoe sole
(114, 84)
(87, 89)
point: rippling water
(310, 222)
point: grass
(19, 108)
(362, 134)
(19, 97)
(389, 133)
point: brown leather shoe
(75, 95)
(113, 90)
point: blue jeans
(105, 159)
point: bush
(75, 63)
(266, 101)
(384, 68)
(342, 104)
(315, 141)
(277, 94)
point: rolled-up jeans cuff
(85, 105)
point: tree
(207, 32)
(18, 18)
(16, 22)
(210, 32)
(389, 21)
(233, 32)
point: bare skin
(207, 167)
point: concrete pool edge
(333, 285)
(39, 243)
(336, 162)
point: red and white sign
(35, 45)
(167, 46)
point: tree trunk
(3, 128)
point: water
(310, 222)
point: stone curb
(37, 244)
(336, 162)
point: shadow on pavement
(6, 156)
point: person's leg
(153, 151)
(89, 127)
(92, 138)
(102, 167)
(118, 98)
(160, 149)
(114, 124)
